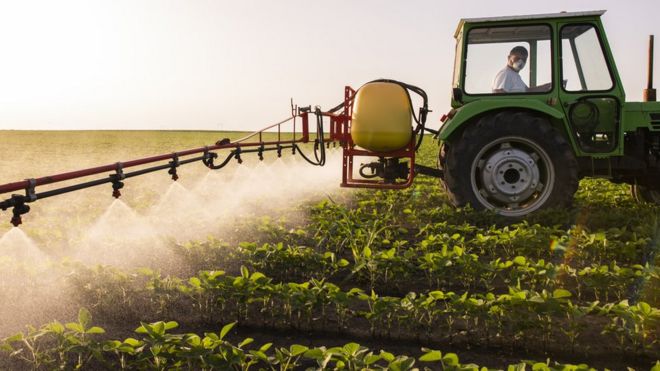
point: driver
(508, 80)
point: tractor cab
(568, 71)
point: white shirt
(509, 81)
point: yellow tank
(381, 119)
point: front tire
(511, 162)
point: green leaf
(519, 260)
(366, 252)
(15, 338)
(431, 356)
(656, 367)
(644, 307)
(450, 359)
(351, 348)
(402, 364)
(297, 350)
(256, 276)
(6, 347)
(133, 342)
(561, 293)
(75, 327)
(315, 353)
(371, 358)
(195, 282)
(245, 342)
(387, 356)
(226, 329)
(158, 328)
(343, 263)
(438, 295)
(539, 366)
(96, 330)
(170, 325)
(265, 347)
(244, 272)
(142, 329)
(259, 354)
(84, 317)
(55, 327)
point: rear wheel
(645, 194)
(511, 162)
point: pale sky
(234, 65)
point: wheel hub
(510, 175)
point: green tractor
(537, 104)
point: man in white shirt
(508, 80)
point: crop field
(270, 265)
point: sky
(235, 65)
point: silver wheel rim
(512, 176)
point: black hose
(319, 146)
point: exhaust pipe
(649, 92)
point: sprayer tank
(381, 120)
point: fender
(479, 107)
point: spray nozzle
(117, 178)
(19, 210)
(260, 152)
(18, 203)
(279, 150)
(237, 155)
(116, 186)
(173, 165)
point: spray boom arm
(339, 119)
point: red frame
(340, 129)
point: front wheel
(511, 162)
(645, 194)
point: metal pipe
(17, 186)
(649, 92)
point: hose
(319, 145)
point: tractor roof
(463, 21)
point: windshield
(504, 60)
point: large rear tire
(511, 162)
(645, 194)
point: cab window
(488, 69)
(584, 67)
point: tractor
(521, 150)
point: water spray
(372, 121)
